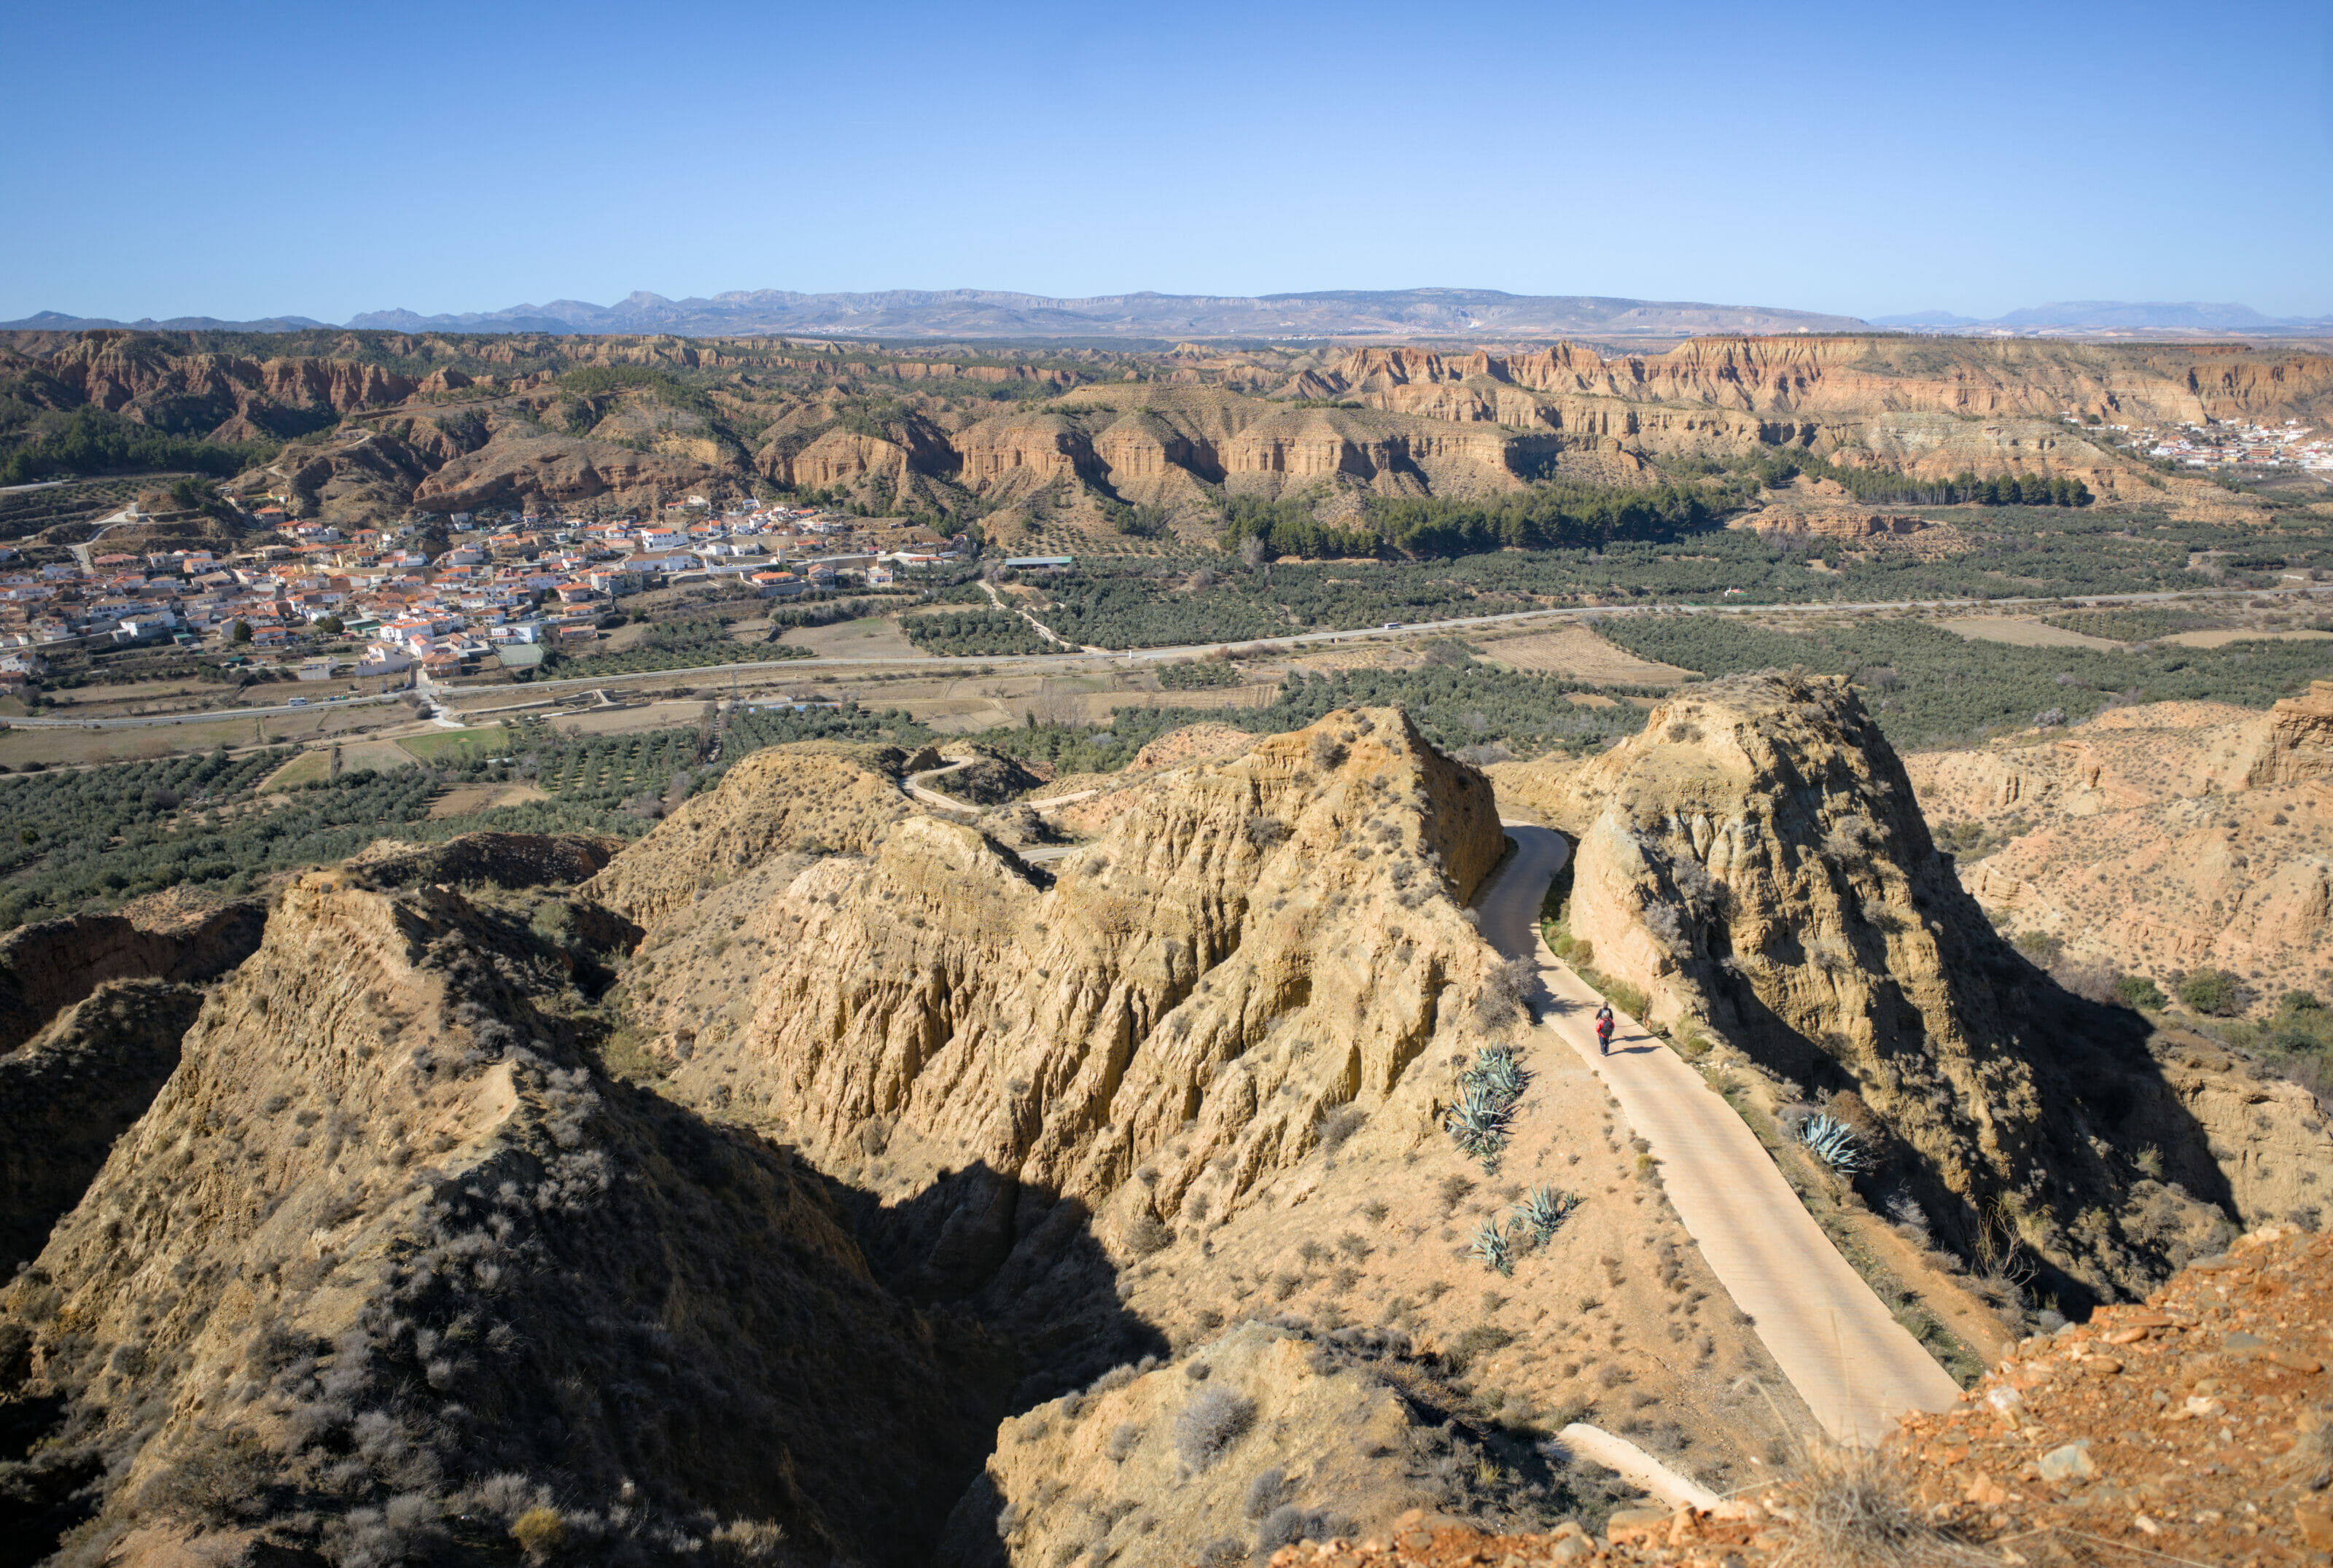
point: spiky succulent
(1487, 1091)
(1479, 1123)
(1496, 1068)
(1543, 1210)
(1834, 1143)
(1492, 1247)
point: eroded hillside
(827, 1179)
(1755, 861)
(1105, 440)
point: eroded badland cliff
(822, 1181)
(359, 426)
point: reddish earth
(2191, 1430)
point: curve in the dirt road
(1856, 1367)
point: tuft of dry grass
(1856, 1510)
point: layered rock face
(74, 1088)
(47, 966)
(386, 1266)
(1249, 944)
(2160, 838)
(1756, 861)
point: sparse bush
(1144, 1234)
(1266, 1492)
(540, 1531)
(1123, 1439)
(1340, 1122)
(1222, 1552)
(1288, 1524)
(1210, 1424)
(2213, 992)
(744, 1543)
(1506, 990)
(1480, 1341)
(1856, 1510)
(220, 1476)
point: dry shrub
(539, 1532)
(1857, 1510)
(1210, 1424)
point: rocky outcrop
(2296, 743)
(806, 799)
(1256, 1438)
(387, 1267)
(70, 1091)
(1249, 944)
(2154, 839)
(46, 968)
(504, 859)
(1755, 861)
(515, 468)
(145, 377)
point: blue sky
(240, 160)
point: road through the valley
(1857, 1367)
(1067, 662)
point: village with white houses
(504, 589)
(2225, 448)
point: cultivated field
(1580, 654)
(2020, 633)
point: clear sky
(320, 159)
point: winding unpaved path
(912, 786)
(1857, 1367)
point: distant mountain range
(993, 313)
(2113, 316)
(1408, 313)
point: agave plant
(1495, 1068)
(1833, 1142)
(1493, 1248)
(1479, 1123)
(1543, 1210)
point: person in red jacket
(1604, 1030)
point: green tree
(240, 633)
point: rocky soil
(2190, 1428)
(2156, 840)
(820, 1180)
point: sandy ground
(647, 716)
(2020, 632)
(876, 637)
(1578, 653)
(463, 800)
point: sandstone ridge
(1755, 861)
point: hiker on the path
(1604, 1030)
